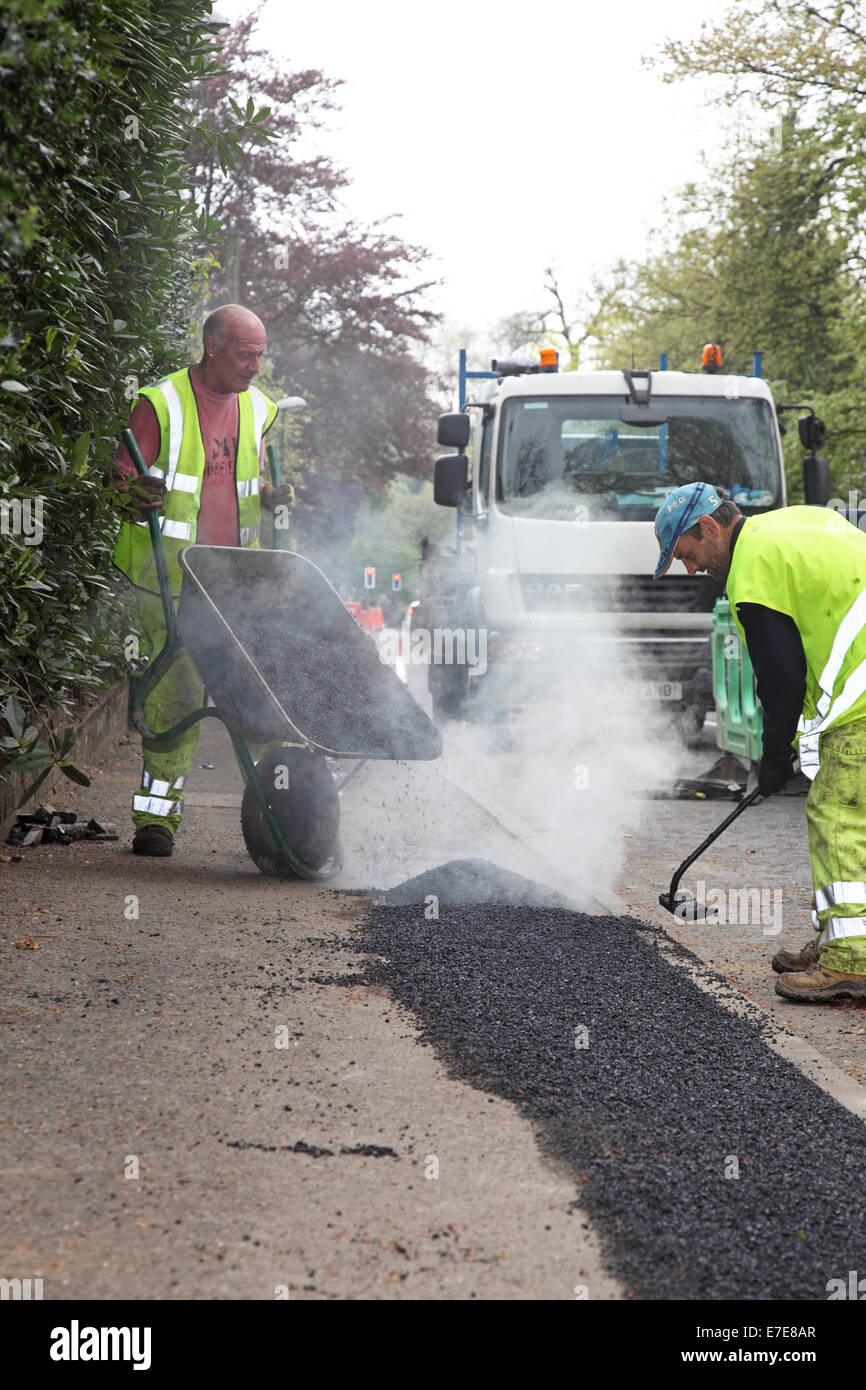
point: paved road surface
(156, 1142)
(148, 1045)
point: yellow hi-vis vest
(181, 463)
(810, 563)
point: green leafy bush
(100, 255)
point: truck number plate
(661, 690)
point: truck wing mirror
(450, 481)
(813, 432)
(453, 431)
(816, 481)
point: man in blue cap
(680, 513)
(796, 583)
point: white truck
(555, 537)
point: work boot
(818, 984)
(795, 960)
(153, 839)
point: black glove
(273, 497)
(773, 772)
(138, 495)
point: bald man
(201, 433)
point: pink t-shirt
(217, 522)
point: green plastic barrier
(739, 718)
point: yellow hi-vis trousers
(159, 799)
(836, 815)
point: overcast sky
(508, 137)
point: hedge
(100, 257)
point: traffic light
(369, 577)
(396, 582)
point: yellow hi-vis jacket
(810, 563)
(181, 463)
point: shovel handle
(131, 443)
(276, 469)
(277, 479)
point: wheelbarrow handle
(141, 683)
(705, 844)
(156, 541)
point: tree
(754, 262)
(787, 56)
(805, 64)
(780, 52)
(343, 303)
(571, 329)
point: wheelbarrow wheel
(302, 795)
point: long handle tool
(276, 479)
(682, 904)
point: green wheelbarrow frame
(143, 682)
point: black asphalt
(664, 1094)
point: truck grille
(627, 593)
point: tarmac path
(191, 1110)
(213, 1086)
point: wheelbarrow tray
(284, 659)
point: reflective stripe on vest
(807, 562)
(812, 729)
(260, 412)
(176, 530)
(175, 431)
(185, 482)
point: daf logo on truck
(538, 586)
(530, 448)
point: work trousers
(836, 816)
(179, 691)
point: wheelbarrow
(290, 670)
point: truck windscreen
(559, 451)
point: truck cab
(555, 521)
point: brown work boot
(153, 839)
(818, 984)
(795, 960)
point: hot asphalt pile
(338, 693)
(470, 881)
(652, 1093)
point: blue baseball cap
(680, 510)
